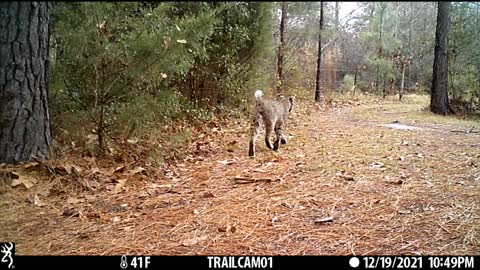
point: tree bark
(334, 45)
(439, 91)
(24, 49)
(402, 82)
(384, 86)
(281, 48)
(380, 48)
(410, 25)
(392, 83)
(319, 57)
(355, 81)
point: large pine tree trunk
(24, 115)
(439, 92)
(319, 57)
(281, 48)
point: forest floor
(346, 183)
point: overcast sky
(346, 8)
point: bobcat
(273, 115)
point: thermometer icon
(123, 262)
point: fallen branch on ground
(466, 131)
(249, 180)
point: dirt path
(344, 184)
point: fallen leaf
(300, 164)
(404, 212)
(92, 215)
(76, 169)
(395, 182)
(73, 200)
(284, 204)
(62, 170)
(27, 181)
(226, 162)
(137, 170)
(323, 220)
(132, 141)
(38, 202)
(143, 194)
(120, 186)
(189, 242)
(68, 169)
(193, 241)
(345, 176)
(227, 228)
(70, 213)
(183, 41)
(116, 219)
(208, 194)
(377, 165)
(153, 186)
(30, 164)
(119, 169)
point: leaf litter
(344, 190)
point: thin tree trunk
(380, 49)
(392, 83)
(410, 25)
(101, 126)
(478, 43)
(334, 45)
(281, 49)
(400, 95)
(384, 86)
(24, 48)
(452, 62)
(439, 91)
(319, 57)
(355, 81)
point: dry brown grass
(387, 191)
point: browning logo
(7, 251)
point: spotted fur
(272, 115)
